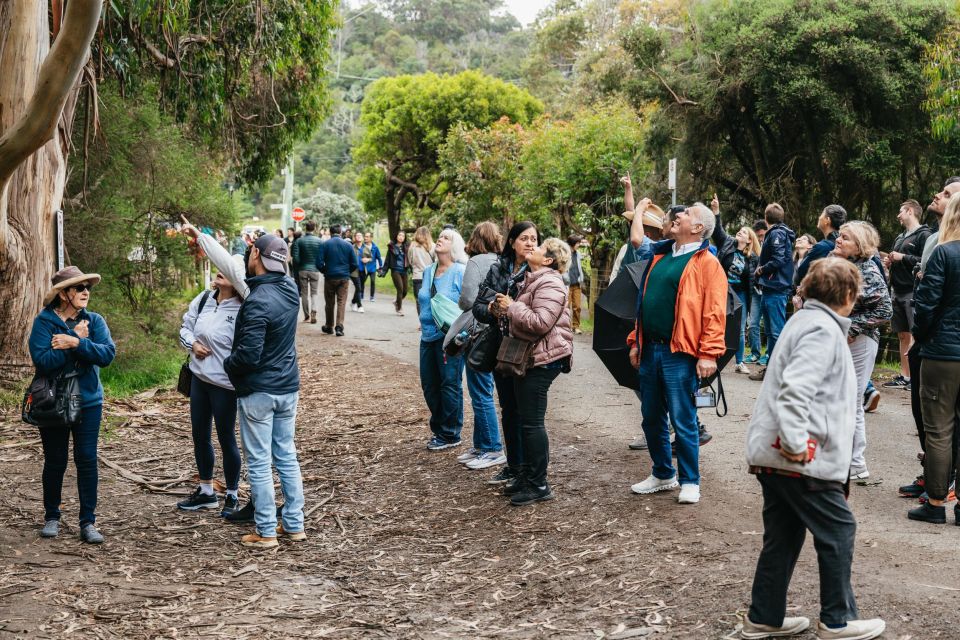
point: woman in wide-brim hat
(66, 336)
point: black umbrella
(613, 318)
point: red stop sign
(299, 214)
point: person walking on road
(576, 275)
(857, 243)
(799, 445)
(937, 330)
(370, 263)
(397, 263)
(775, 275)
(901, 264)
(678, 336)
(304, 253)
(487, 451)
(336, 260)
(441, 375)
(356, 303)
(68, 338)
(262, 367)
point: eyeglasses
(80, 288)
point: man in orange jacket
(681, 318)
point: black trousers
(212, 404)
(531, 391)
(791, 507)
(914, 360)
(509, 421)
(356, 291)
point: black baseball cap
(273, 252)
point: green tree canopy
(407, 118)
(327, 209)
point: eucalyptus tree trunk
(37, 100)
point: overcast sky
(525, 10)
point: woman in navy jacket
(66, 335)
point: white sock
(206, 488)
(232, 493)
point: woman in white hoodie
(207, 332)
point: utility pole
(286, 221)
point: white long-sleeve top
(230, 266)
(213, 327)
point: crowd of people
(502, 312)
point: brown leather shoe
(256, 541)
(296, 536)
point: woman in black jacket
(936, 329)
(397, 264)
(738, 256)
(505, 276)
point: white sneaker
(790, 626)
(487, 459)
(399, 313)
(353, 307)
(689, 494)
(742, 368)
(855, 630)
(654, 484)
(360, 309)
(469, 456)
(859, 473)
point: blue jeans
(754, 325)
(486, 431)
(667, 384)
(441, 377)
(774, 309)
(267, 425)
(56, 441)
(743, 325)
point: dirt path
(406, 543)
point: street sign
(299, 214)
(672, 179)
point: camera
(705, 398)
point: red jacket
(700, 314)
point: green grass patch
(138, 368)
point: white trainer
(855, 630)
(791, 626)
(689, 494)
(469, 456)
(487, 459)
(353, 307)
(742, 368)
(654, 484)
(360, 310)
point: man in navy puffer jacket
(775, 276)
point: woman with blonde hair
(738, 256)
(858, 242)
(937, 331)
(419, 252)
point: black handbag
(482, 352)
(53, 401)
(185, 380)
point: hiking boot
(531, 494)
(313, 317)
(859, 473)
(897, 383)
(689, 494)
(654, 484)
(742, 368)
(256, 541)
(505, 475)
(338, 330)
(486, 460)
(705, 436)
(436, 444)
(469, 456)
(199, 500)
(928, 513)
(871, 400)
(791, 626)
(51, 529)
(752, 359)
(758, 374)
(913, 490)
(241, 516)
(90, 535)
(327, 330)
(854, 630)
(295, 536)
(231, 505)
(639, 443)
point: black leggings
(208, 403)
(356, 291)
(373, 283)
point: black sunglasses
(82, 287)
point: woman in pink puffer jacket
(541, 315)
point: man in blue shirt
(335, 260)
(775, 275)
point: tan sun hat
(66, 278)
(652, 217)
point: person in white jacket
(207, 332)
(799, 445)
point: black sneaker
(230, 505)
(339, 330)
(531, 494)
(199, 500)
(928, 513)
(913, 490)
(326, 329)
(241, 516)
(514, 486)
(505, 475)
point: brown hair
(774, 214)
(833, 281)
(421, 238)
(914, 206)
(753, 246)
(486, 238)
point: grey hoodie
(809, 391)
(214, 328)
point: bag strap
(721, 396)
(203, 301)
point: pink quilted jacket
(541, 301)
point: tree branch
(58, 74)
(678, 99)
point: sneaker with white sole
(436, 444)
(689, 494)
(859, 473)
(654, 484)
(360, 310)
(855, 630)
(742, 368)
(486, 460)
(791, 626)
(469, 456)
(353, 307)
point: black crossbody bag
(53, 401)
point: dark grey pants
(790, 508)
